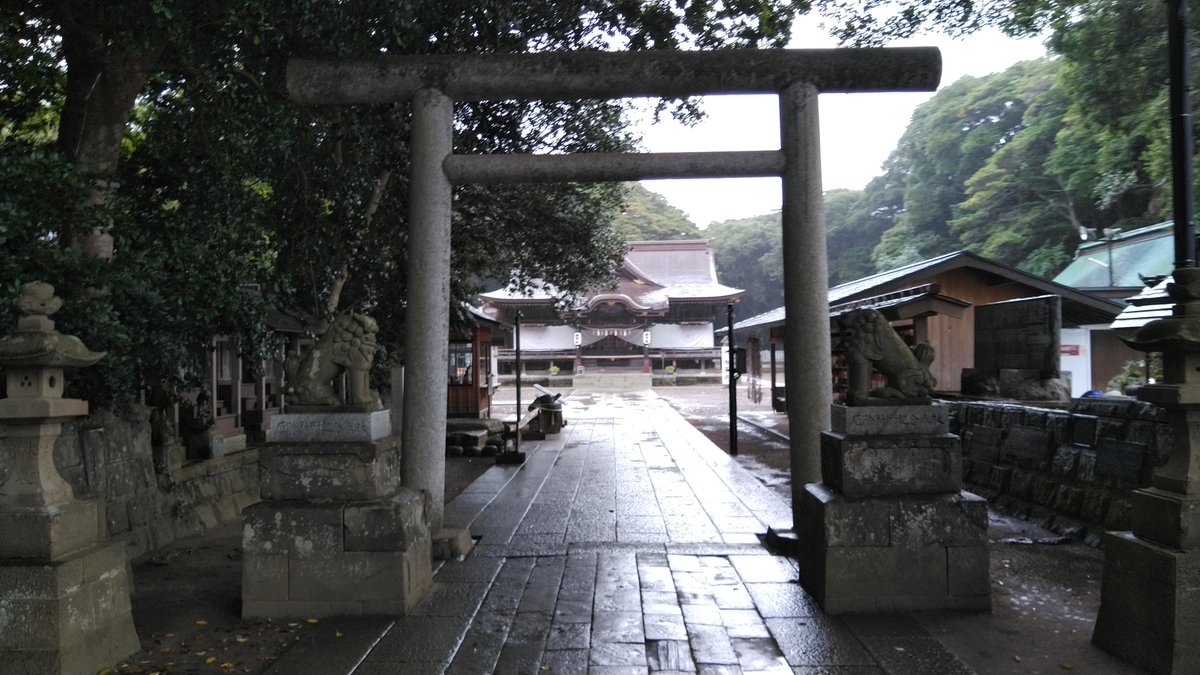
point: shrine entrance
(433, 83)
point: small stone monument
(1017, 351)
(64, 588)
(1150, 594)
(889, 528)
(335, 533)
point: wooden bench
(468, 438)
(513, 427)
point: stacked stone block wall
(1071, 470)
(150, 500)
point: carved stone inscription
(1019, 334)
(327, 427)
(18, 465)
(322, 426)
(886, 420)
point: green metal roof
(1148, 251)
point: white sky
(858, 131)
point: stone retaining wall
(1070, 470)
(150, 499)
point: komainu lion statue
(870, 343)
(348, 346)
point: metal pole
(1181, 133)
(773, 382)
(733, 373)
(578, 351)
(427, 324)
(645, 348)
(517, 343)
(1110, 269)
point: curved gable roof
(652, 275)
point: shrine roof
(653, 274)
(1079, 307)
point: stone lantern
(64, 588)
(1150, 594)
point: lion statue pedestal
(335, 532)
(889, 529)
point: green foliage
(749, 256)
(882, 21)
(1134, 373)
(1014, 207)
(231, 199)
(853, 226)
(648, 216)
(949, 139)
(1013, 165)
(1114, 142)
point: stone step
(613, 381)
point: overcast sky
(858, 131)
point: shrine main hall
(660, 313)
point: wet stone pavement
(626, 544)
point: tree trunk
(102, 83)
(335, 294)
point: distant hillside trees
(1012, 165)
(648, 216)
(749, 256)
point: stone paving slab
(630, 544)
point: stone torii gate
(433, 83)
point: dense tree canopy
(1016, 165)
(158, 131)
(878, 21)
(749, 256)
(648, 216)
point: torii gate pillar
(427, 319)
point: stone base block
(67, 616)
(1149, 604)
(894, 554)
(1022, 384)
(305, 559)
(235, 443)
(879, 466)
(51, 532)
(1169, 518)
(450, 543)
(783, 541)
(336, 471)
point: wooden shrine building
(662, 311)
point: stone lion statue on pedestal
(347, 347)
(870, 344)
